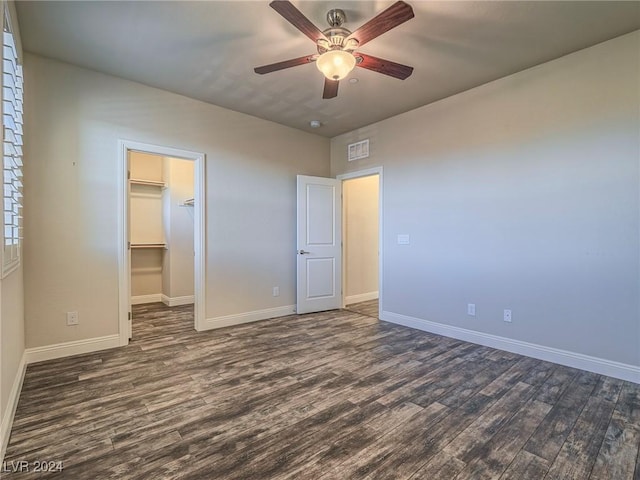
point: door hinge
(128, 245)
(128, 174)
(130, 316)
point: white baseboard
(67, 349)
(362, 297)
(140, 299)
(601, 366)
(175, 301)
(12, 405)
(239, 318)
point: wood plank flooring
(368, 308)
(335, 395)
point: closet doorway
(162, 231)
(361, 227)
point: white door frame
(124, 146)
(367, 173)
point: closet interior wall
(360, 201)
(161, 229)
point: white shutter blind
(12, 151)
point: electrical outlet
(72, 318)
(276, 291)
(507, 315)
(471, 309)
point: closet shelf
(152, 183)
(148, 245)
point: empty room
(320, 240)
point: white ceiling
(207, 50)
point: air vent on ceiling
(359, 150)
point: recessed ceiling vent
(359, 150)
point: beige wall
(521, 194)
(12, 336)
(146, 223)
(146, 271)
(178, 272)
(360, 205)
(77, 117)
(145, 166)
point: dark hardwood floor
(368, 308)
(335, 395)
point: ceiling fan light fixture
(337, 46)
(336, 64)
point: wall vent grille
(358, 150)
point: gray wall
(522, 194)
(74, 120)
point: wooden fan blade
(294, 62)
(330, 88)
(393, 16)
(387, 67)
(296, 18)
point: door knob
(302, 252)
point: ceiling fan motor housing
(336, 34)
(337, 37)
(336, 17)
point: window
(12, 147)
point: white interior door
(319, 254)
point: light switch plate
(403, 239)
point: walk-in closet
(161, 233)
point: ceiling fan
(337, 46)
